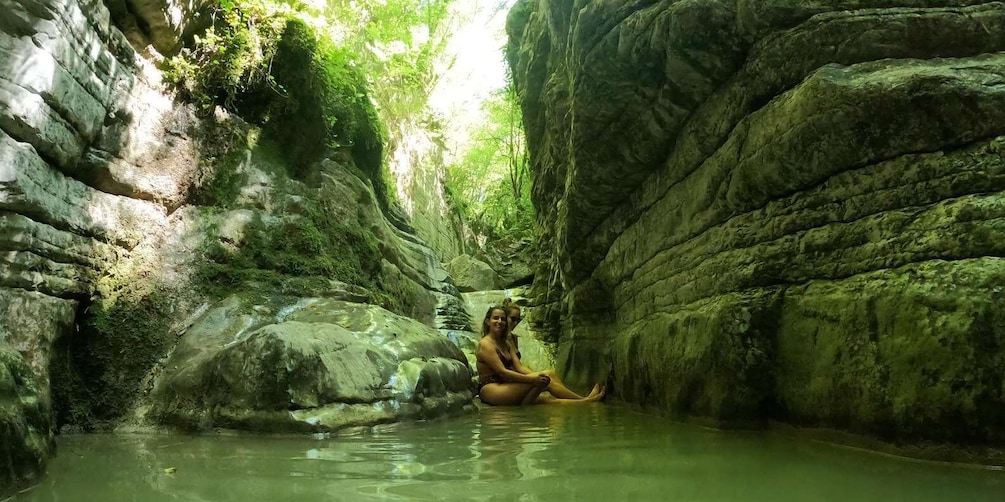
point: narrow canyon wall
(111, 212)
(415, 159)
(77, 192)
(775, 209)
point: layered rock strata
(77, 192)
(775, 210)
(105, 222)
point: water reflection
(507, 444)
(551, 453)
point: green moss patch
(299, 254)
(265, 64)
(96, 373)
(327, 105)
(25, 426)
(904, 354)
(398, 293)
(223, 147)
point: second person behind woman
(503, 380)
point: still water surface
(591, 452)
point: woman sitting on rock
(504, 381)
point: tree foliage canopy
(491, 181)
(320, 73)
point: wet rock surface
(774, 210)
(112, 194)
(317, 365)
(470, 274)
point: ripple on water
(593, 452)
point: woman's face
(497, 321)
(514, 317)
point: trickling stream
(592, 452)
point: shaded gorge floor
(591, 452)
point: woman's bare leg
(558, 389)
(592, 398)
(531, 397)
(510, 393)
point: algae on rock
(794, 213)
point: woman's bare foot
(598, 396)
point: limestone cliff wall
(415, 159)
(775, 209)
(76, 193)
(104, 178)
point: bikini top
(507, 362)
(486, 375)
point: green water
(593, 452)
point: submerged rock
(317, 365)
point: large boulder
(470, 274)
(316, 365)
(512, 259)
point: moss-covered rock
(915, 351)
(26, 432)
(470, 274)
(327, 104)
(310, 237)
(795, 212)
(310, 247)
(113, 190)
(98, 372)
(263, 62)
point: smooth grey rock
(29, 325)
(25, 422)
(417, 164)
(316, 365)
(147, 148)
(470, 274)
(512, 259)
(30, 187)
(28, 118)
(37, 71)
